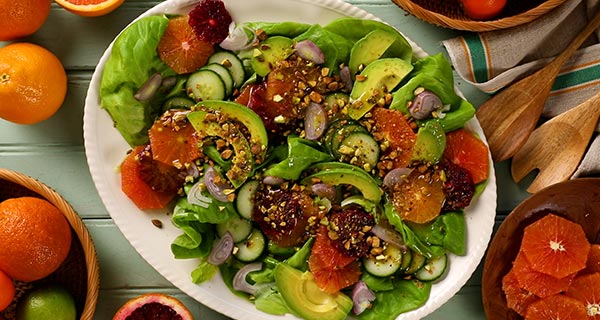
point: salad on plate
(323, 170)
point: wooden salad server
(557, 146)
(509, 117)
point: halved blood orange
(174, 144)
(466, 150)
(556, 307)
(90, 8)
(593, 261)
(555, 246)
(517, 298)
(153, 306)
(540, 284)
(180, 49)
(586, 288)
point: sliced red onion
(310, 51)
(272, 180)
(149, 88)
(192, 170)
(346, 78)
(196, 197)
(239, 280)
(168, 82)
(240, 37)
(362, 297)
(396, 176)
(221, 250)
(315, 121)
(424, 104)
(217, 186)
(324, 190)
(389, 235)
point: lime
(47, 303)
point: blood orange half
(586, 288)
(90, 8)
(153, 306)
(517, 298)
(555, 246)
(540, 284)
(556, 307)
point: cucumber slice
(233, 64)
(178, 103)
(225, 75)
(239, 228)
(251, 248)
(341, 134)
(361, 149)
(205, 85)
(433, 269)
(406, 260)
(245, 199)
(386, 264)
(417, 262)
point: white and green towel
(492, 60)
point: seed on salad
(157, 223)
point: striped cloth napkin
(493, 60)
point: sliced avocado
(360, 180)
(430, 143)
(242, 162)
(304, 298)
(269, 52)
(370, 48)
(379, 77)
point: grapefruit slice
(555, 246)
(90, 8)
(586, 288)
(466, 150)
(556, 307)
(540, 284)
(517, 298)
(153, 306)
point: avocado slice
(378, 77)
(370, 48)
(270, 52)
(430, 143)
(361, 180)
(305, 299)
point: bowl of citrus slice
(544, 261)
(68, 269)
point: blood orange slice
(90, 8)
(517, 298)
(180, 49)
(540, 284)
(586, 288)
(556, 307)
(392, 128)
(555, 246)
(172, 145)
(153, 306)
(466, 150)
(593, 261)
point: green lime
(47, 303)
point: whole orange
(39, 238)
(22, 18)
(33, 83)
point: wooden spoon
(509, 117)
(557, 146)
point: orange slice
(540, 284)
(517, 298)
(90, 8)
(593, 260)
(555, 246)
(556, 307)
(586, 289)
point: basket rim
(478, 26)
(91, 259)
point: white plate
(105, 149)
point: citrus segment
(33, 83)
(586, 288)
(466, 150)
(593, 261)
(517, 298)
(39, 237)
(391, 126)
(173, 145)
(90, 8)
(556, 307)
(7, 290)
(22, 18)
(555, 246)
(153, 306)
(540, 284)
(420, 197)
(180, 49)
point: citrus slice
(593, 261)
(556, 307)
(540, 284)
(420, 197)
(555, 246)
(174, 144)
(153, 306)
(466, 150)
(517, 298)
(586, 288)
(90, 8)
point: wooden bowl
(577, 200)
(79, 273)
(449, 14)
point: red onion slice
(240, 37)
(362, 297)
(310, 51)
(196, 197)
(424, 104)
(346, 78)
(149, 88)
(315, 121)
(396, 176)
(389, 235)
(273, 180)
(239, 280)
(217, 186)
(323, 190)
(221, 250)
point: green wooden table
(53, 152)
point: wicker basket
(79, 273)
(448, 13)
